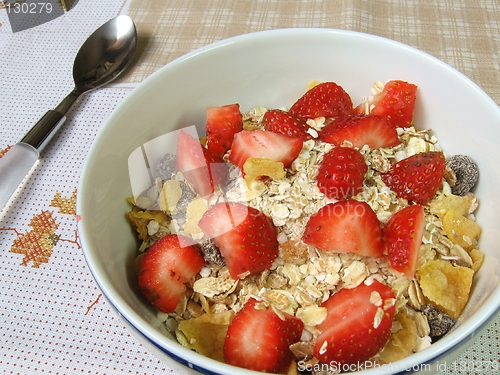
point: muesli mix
(310, 239)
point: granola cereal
(302, 277)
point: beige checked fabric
(462, 33)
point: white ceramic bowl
(272, 69)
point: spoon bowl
(105, 54)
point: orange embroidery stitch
(38, 243)
(65, 205)
(4, 151)
(93, 304)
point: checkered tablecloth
(53, 318)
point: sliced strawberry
(403, 238)
(357, 325)
(396, 103)
(200, 167)
(260, 340)
(326, 99)
(222, 124)
(278, 121)
(341, 173)
(360, 130)
(347, 226)
(171, 262)
(418, 177)
(245, 237)
(264, 144)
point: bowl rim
(453, 340)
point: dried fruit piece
(466, 173)
(253, 168)
(211, 253)
(187, 196)
(439, 322)
(166, 167)
(447, 287)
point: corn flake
(206, 333)
(446, 286)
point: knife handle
(14, 166)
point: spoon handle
(21, 157)
(14, 166)
(43, 131)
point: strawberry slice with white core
(348, 226)
(264, 144)
(403, 238)
(258, 339)
(244, 235)
(360, 130)
(357, 325)
(171, 262)
(202, 169)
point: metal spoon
(103, 56)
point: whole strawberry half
(403, 238)
(341, 173)
(200, 167)
(326, 99)
(396, 103)
(245, 237)
(222, 124)
(418, 177)
(348, 226)
(358, 324)
(278, 121)
(171, 262)
(360, 130)
(260, 340)
(264, 144)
